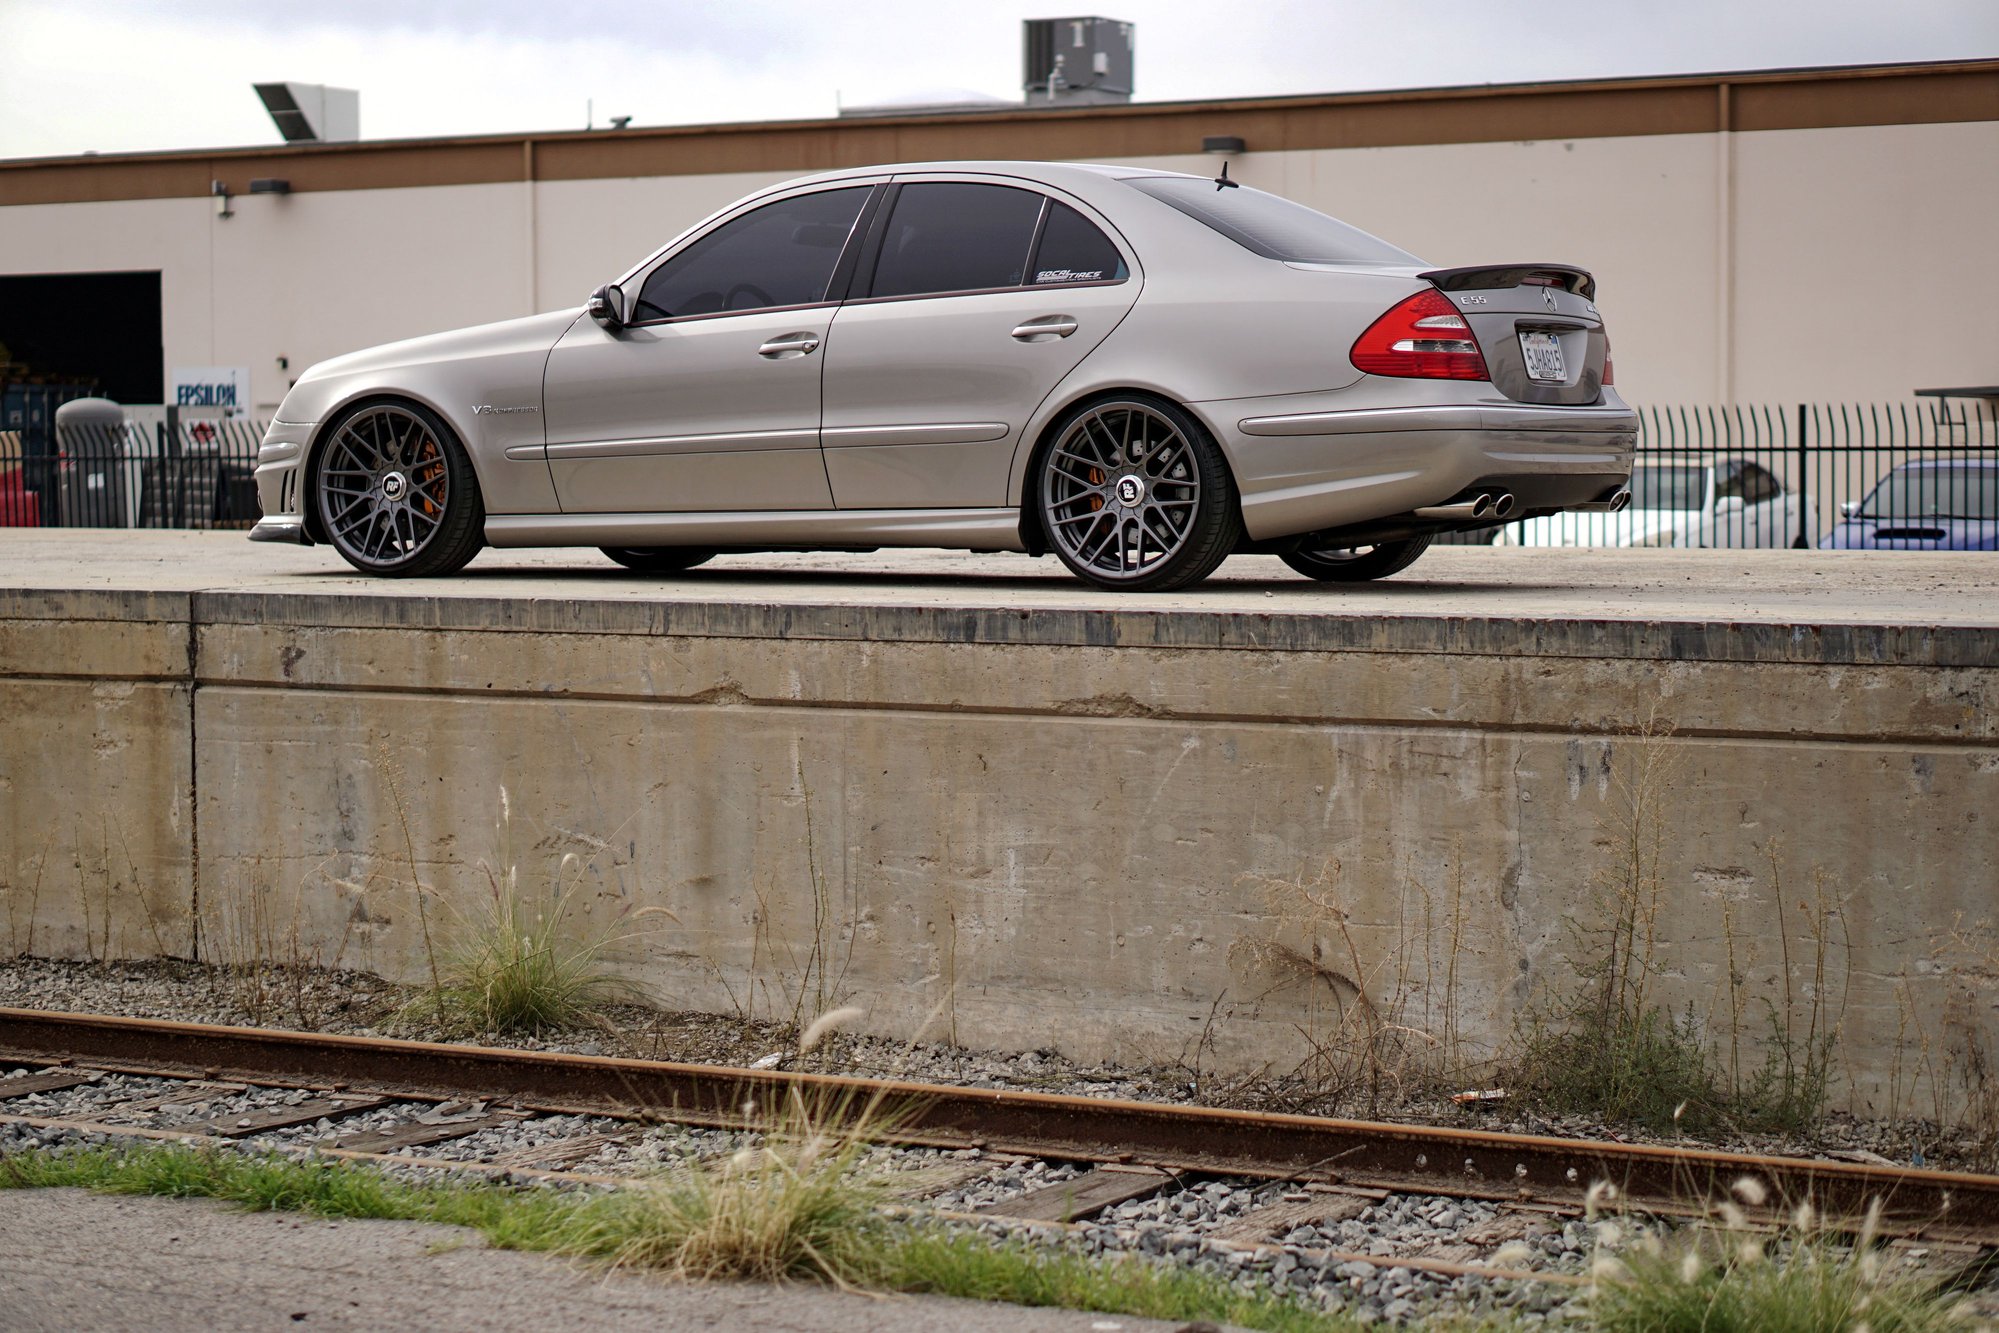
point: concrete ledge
(1830, 644)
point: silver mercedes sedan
(1140, 371)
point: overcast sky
(126, 75)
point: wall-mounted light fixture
(1221, 143)
(270, 185)
(220, 189)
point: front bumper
(1313, 472)
(281, 484)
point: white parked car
(1726, 502)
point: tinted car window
(1969, 491)
(780, 254)
(949, 236)
(1663, 486)
(1272, 227)
(1073, 250)
(1758, 485)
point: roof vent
(1077, 62)
(313, 112)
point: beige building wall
(1774, 266)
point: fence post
(171, 480)
(1804, 482)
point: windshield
(1662, 486)
(1269, 226)
(1935, 492)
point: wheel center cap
(1130, 490)
(394, 485)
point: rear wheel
(395, 493)
(658, 559)
(1135, 496)
(1357, 564)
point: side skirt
(957, 529)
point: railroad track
(405, 1103)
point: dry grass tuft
(1729, 1275)
(790, 1205)
(526, 963)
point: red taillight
(1423, 337)
(1609, 374)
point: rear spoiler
(1486, 277)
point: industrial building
(1770, 236)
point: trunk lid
(1537, 326)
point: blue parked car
(1950, 505)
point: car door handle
(1048, 326)
(799, 343)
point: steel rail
(1405, 1158)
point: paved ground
(70, 1260)
(1810, 587)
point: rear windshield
(1272, 227)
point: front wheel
(396, 494)
(1357, 564)
(1136, 497)
(658, 559)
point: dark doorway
(100, 329)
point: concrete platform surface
(1829, 587)
(71, 1260)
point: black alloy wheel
(658, 559)
(1357, 564)
(1134, 495)
(395, 493)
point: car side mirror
(1849, 509)
(1729, 504)
(607, 306)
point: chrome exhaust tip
(1479, 507)
(1503, 506)
(1615, 504)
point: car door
(1750, 507)
(708, 399)
(975, 298)
(1772, 508)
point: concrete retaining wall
(1136, 834)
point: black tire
(1358, 564)
(395, 494)
(658, 559)
(1135, 496)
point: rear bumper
(1306, 472)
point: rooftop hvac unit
(313, 112)
(1077, 62)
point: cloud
(151, 74)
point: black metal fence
(1908, 474)
(1919, 474)
(177, 474)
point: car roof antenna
(1222, 182)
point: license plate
(1543, 352)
